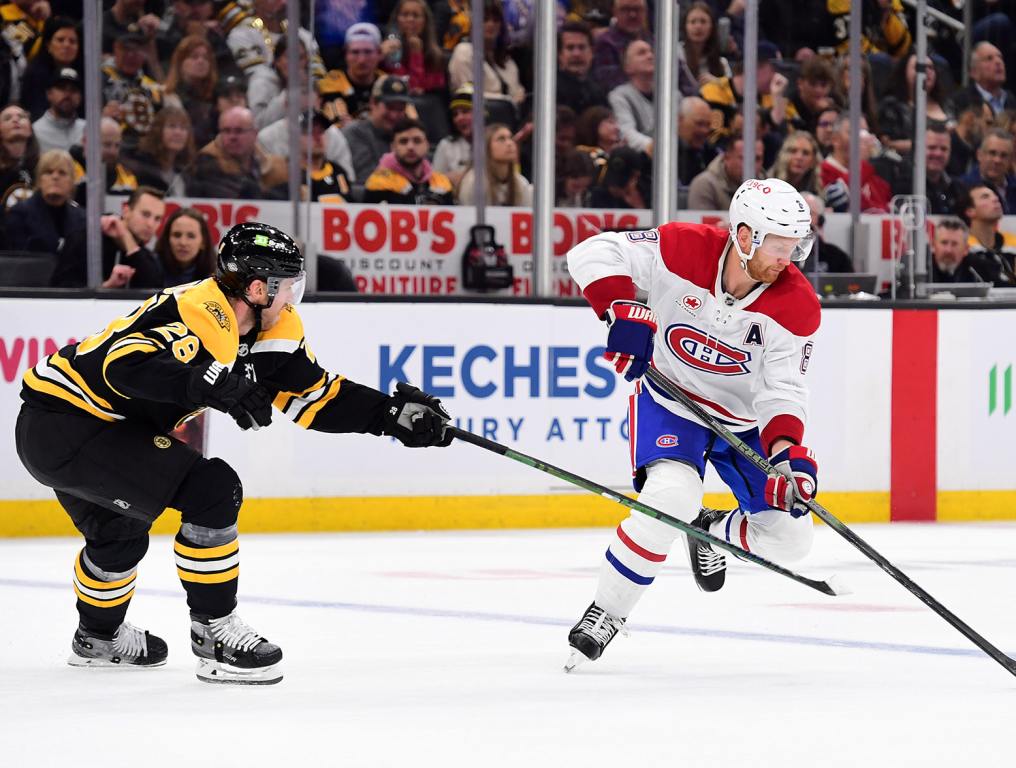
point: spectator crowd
(195, 97)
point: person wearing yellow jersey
(95, 425)
(725, 95)
(22, 22)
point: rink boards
(912, 417)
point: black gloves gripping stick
(247, 402)
(416, 419)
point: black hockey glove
(247, 402)
(416, 419)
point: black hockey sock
(210, 575)
(103, 597)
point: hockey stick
(830, 587)
(829, 519)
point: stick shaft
(833, 522)
(620, 498)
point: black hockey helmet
(255, 251)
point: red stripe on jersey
(692, 251)
(791, 302)
(702, 401)
(784, 425)
(640, 551)
(600, 293)
(912, 461)
(744, 534)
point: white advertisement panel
(417, 250)
(529, 376)
(976, 416)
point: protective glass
(288, 290)
(803, 248)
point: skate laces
(600, 625)
(232, 631)
(130, 642)
(709, 560)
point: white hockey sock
(640, 544)
(772, 534)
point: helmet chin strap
(257, 309)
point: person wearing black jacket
(51, 222)
(126, 259)
(950, 254)
(575, 88)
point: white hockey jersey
(744, 360)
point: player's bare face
(290, 292)
(771, 258)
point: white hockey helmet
(771, 207)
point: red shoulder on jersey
(692, 251)
(791, 302)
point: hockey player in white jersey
(729, 319)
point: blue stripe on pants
(627, 572)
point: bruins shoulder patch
(215, 310)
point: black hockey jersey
(139, 366)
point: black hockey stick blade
(674, 391)
(832, 586)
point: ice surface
(446, 649)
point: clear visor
(803, 248)
(289, 290)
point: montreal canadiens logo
(666, 441)
(704, 353)
(691, 303)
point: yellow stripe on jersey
(207, 313)
(209, 578)
(48, 388)
(64, 366)
(102, 603)
(307, 418)
(206, 553)
(120, 324)
(88, 581)
(123, 351)
(288, 326)
(283, 399)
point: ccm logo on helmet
(704, 353)
(762, 187)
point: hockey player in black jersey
(94, 427)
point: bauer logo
(666, 441)
(704, 353)
(1000, 390)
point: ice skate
(229, 651)
(591, 635)
(128, 647)
(708, 566)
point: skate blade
(211, 671)
(80, 661)
(575, 660)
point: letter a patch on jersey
(754, 336)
